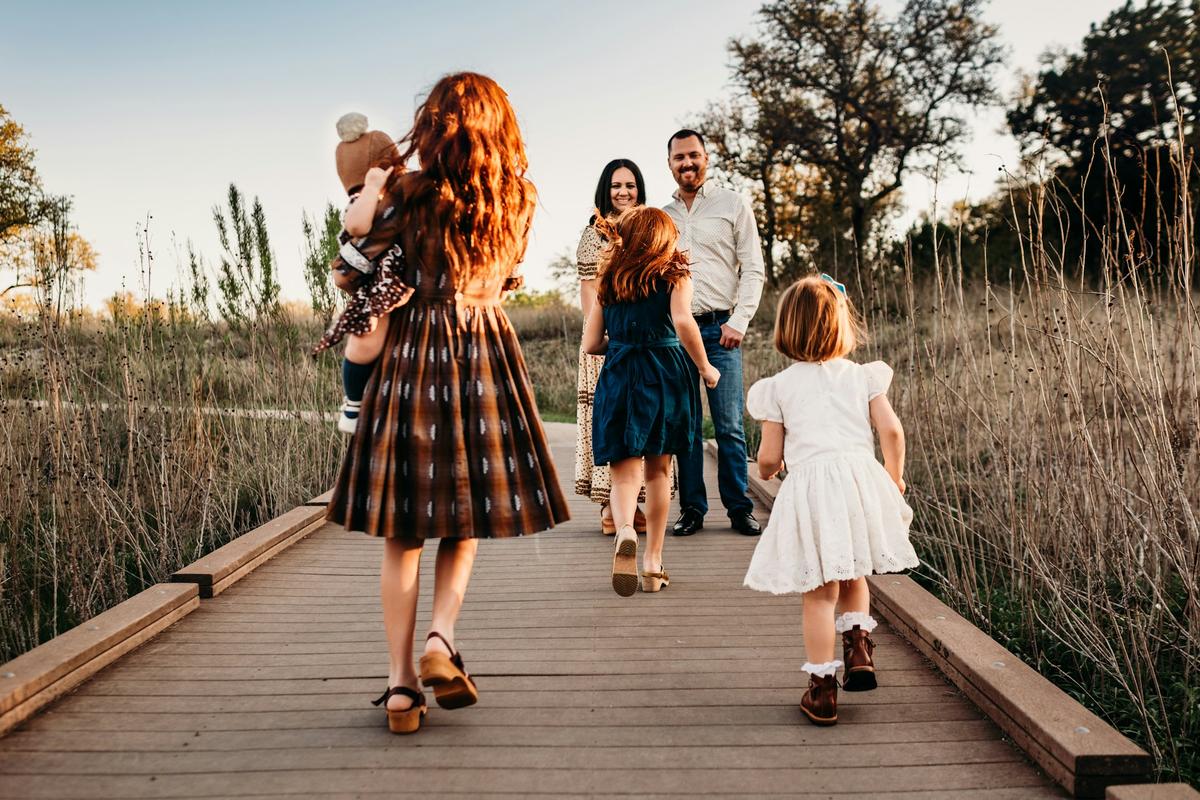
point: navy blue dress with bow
(648, 394)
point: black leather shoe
(744, 523)
(690, 520)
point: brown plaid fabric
(449, 442)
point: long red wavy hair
(641, 252)
(471, 187)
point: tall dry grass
(123, 455)
(1054, 434)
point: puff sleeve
(879, 378)
(762, 403)
(587, 255)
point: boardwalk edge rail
(1076, 748)
(50, 670)
(33, 679)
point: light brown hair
(641, 252)
(472, 187)
(816, 322)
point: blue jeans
(725, 402)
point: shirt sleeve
(750, 265)
(879, 378)
(762, 402)
(587, 255)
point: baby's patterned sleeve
(762, 402)
(363, 254)
(879, 378)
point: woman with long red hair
(647, 396)
(449, 444)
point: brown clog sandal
(639, 521)
(446, 674)
(655, 581)
(624, 570)
(608, 526)
(408, 720)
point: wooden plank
(321, 499)
(219, 569)
(1077, 748)
(1152, 791)
(513, 757)
(296, 696)
(868, 723)
(909, 732)
(30, 681)
(540, 781)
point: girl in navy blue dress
(648, 395)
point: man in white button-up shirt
(718, 231)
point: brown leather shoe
(857, 651)
(819, 703)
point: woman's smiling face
(622, 189)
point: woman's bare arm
(587, 295)
(594, 341)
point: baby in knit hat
(359, 156)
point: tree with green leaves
(249, 290)
(856, 98)
(21, 202)
(1118, 123)
(320, 248)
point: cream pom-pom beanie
(359, 149)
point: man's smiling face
(688, 162)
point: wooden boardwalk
(264, 691)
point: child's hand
(710, 376)
(375, 179)
(900, 484)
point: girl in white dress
(839, 515)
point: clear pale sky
(140, 108)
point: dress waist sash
(618, 351)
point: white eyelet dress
(838, 515)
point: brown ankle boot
(819, 703)
(857, 649)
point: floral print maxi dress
(449, 441)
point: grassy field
(1054, 467)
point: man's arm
(750, 261)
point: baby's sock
(354, 379)
(822, 670)
(847, 621)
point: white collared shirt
(720, 236)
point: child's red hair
(641, 252)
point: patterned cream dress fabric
(591, 481)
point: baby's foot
(348, 419)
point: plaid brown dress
(449, 441)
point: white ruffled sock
(847, 621)
(822, 670)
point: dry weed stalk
(1053, 423)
